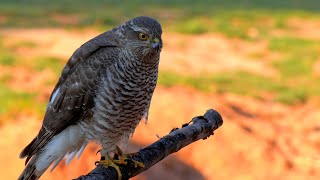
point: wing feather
(73, 95)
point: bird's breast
(123, 97)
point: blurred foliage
(7, 57)
(23, 44)
(296, 64)
(15, 102)
(231, 18)
(244, 20)
(242, 83)
(298, 55)
(53, 63)
(169, 79)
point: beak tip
(157, 45)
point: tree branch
(201, 128)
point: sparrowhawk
(103, 92)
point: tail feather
(69, 141)
(55, 164)
(30, 173)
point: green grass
(5, 78)
(24, 44)
(12, 99)
(293, 96)
(53, 63)
(293, 45)
(15, 102)
(244, 83)
(296, 67)
(7, 57)
(231, 18)
(196, 25)
(169, 79)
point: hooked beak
(156, 43)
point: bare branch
(201, 128)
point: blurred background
(257, 62)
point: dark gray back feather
(76, 91)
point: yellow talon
(108, 162)
(123, 158)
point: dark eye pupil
(143, 36)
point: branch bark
(200, 127)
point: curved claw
(120, 159)
(98, 151)
(137, 163)
(131, 154)
(110, 163)
(96, 163)
(123, 158)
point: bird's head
(142, 36)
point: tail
(30, 172)
(69, 142)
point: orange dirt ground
(258, 140)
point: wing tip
(26, 152)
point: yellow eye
(143, 36)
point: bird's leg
(106, 162)
(123, 158)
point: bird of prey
(103, 92)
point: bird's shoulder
(87, 55)
(74, 93)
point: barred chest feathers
(122, 99)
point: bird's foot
(123, 158)
(110, 163)
(130, 155)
